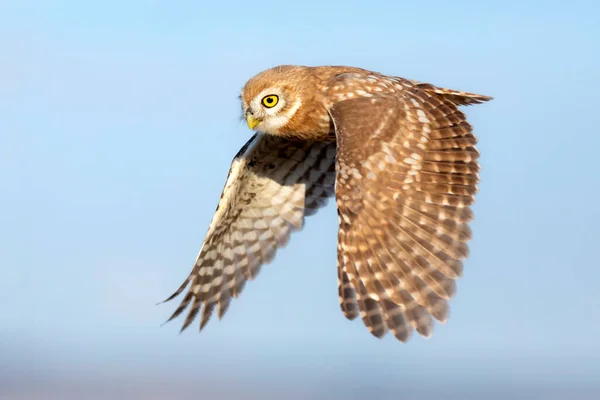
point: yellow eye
(270, 101)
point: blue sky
(118, 122)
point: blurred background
(118, 122)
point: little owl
(400, 159)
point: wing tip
(177, 292)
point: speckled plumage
(399, 157)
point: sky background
(118, 122)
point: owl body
(400, 159)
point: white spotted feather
(273, 184)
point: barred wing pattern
(456, 96)
(272, 185)
(407, 174)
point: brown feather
(400, 158)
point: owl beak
(252, 121)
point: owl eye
(270, 101)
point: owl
(400, 159)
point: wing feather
(407, 174)
(272, 185)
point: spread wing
(407, 175)
(272, 185)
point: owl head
(280, 100)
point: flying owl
(401, 161)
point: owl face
(270, 108)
